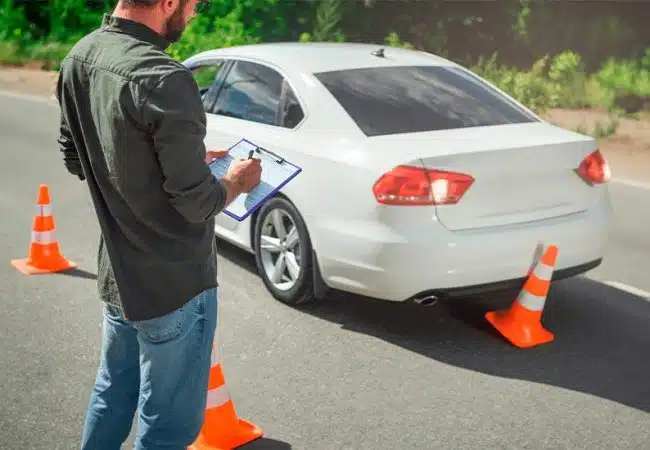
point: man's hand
(242, 176)
(246, 172)
(211, 155)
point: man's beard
(175, 25)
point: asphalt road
(355, 374)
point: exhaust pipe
(427, 300)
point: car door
(253, 101)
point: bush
(11, 53)
(618, 85)
(49, 54)
(530, 88)
(629, 81)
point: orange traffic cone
(44, 254)
(222, 429)
(521, 323)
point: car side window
(205, 76)
(291, 113)
(253, 92)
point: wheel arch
(320, 287)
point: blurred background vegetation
(561, 54)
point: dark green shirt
(132, 126)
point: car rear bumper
(496, 288)
(462, 264)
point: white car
(420, 181)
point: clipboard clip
(278, 159)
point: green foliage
(49, 54)
(564, 83)
(393, 40)
(10, 53)
(70, 20)
(328, 18)
(522, 17)
(13, 23)
(628, 81)
(46, 33)
(531, 87)
(205, 33)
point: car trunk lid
(521, 173)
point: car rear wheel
(283, 252)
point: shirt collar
(135, 29)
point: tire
(291, 289)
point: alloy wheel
(280, 249)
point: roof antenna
(379, 52)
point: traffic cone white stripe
(43, 237)
(44, 210)
(543, 271)
(531, 301)
(217, 397)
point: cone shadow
(79, 273)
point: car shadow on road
(602, 337)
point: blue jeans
(160, 369)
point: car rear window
(409, 99)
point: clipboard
(276, 173)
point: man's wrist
(233, 188)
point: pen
(250, 154)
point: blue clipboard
(276, 173)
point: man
(132, 126)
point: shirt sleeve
(174, 114)
(66, 144)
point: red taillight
(406, 185)
(594, 169)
